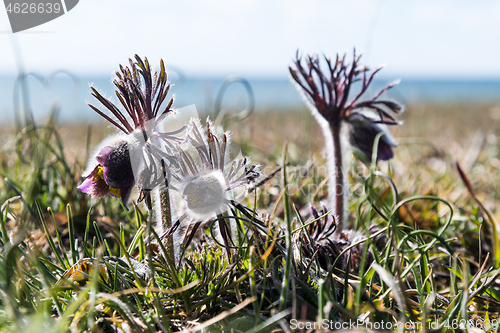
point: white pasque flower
(207, 180)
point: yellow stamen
(98, 175)
(115, 191)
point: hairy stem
(334, 164)
(336, 184)
(165, 219)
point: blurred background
(444, 51)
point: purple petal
(384, 151)
(103, 154)
(86, 186)
(362, 136)
(125, 195)
(96, 188)
(91, 173)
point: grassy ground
(423, 252)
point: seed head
(207, 179)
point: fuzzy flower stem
(336, 191)
(166, 219)
(164, 214)
(331, 164)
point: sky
(426, 38)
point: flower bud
(111, 172)
(362, 133)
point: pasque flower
(329, 95)
(134, 155)
(207, 181)
(111, 171)
(363, 127)
(207, 178)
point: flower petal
(103, 154)
(86, 186)
(118, 171)
(362, 133)
(125, 195)
(110, 141)
(94, 186)
(384, 150)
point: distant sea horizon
(73, 94)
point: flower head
(207, 179)
(206, 183)
(110, 170)
(322, 239)
(205, 192)
(362, 130)
(136, 155)
(328, 93)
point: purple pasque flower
(135, 156)
(112, 173)
(362, 130)
(328, 94)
